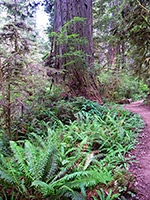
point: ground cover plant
(70, 153)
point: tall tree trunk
(77, 75)
(65, 11)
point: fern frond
(74, 196)
(101, 176)
(69, 192)
(45, 163)
(86, 181)
(18, 154)
(42, 160)
(4, 174)
(87, 178)
(66, 168)
(40, 141)
(14, 175)
(31, 159)
(9, 173)
(69, 177)
(51, 166)
(44, 187)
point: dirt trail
(141, 170)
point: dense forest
(63, 131)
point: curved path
(141, 170)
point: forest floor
(141, 169)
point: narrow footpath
(141, 170)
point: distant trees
(122, 35)
(109, 50)
(134, 28)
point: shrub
(120, 85)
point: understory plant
(66, 159)
(119, 85)
(101, 195)
(43, 168)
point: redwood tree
(72, 48)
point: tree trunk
(77, 65)
(65, 11)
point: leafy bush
(120, 85)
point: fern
(89, 178)
(42, 161)
(53, 163)
(9, 172)
(74, 195)
(29, 163)
(70, 182)
(101, 195)
(31, 156)
(44, 187)
(68, 159)
(18, 154)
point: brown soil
(141, 170)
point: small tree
(14, 48)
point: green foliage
(134, 27)
(4, 144)
(101, 195)
(67, 145)
(70, 157)
(27, 164)
(61, 159)
(36, 164)
(65, 37)
(120, 85)
(52, 107)
(121, 36)
(15, 38)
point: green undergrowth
(70, 148)
(116, 86)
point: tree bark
(65, 11)
(77, 75)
